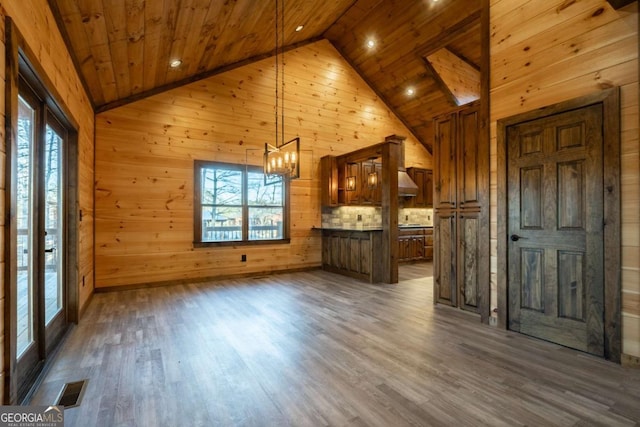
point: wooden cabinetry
(370, 195)
(415, 244)
(353, 253)
(461, 232)
(329, 181)
(424, 180)
(334, 175)
(428, 243)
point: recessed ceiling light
(411, 91)
(175, 63)
(371, 43)
(299, 28)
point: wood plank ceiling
(123, 48)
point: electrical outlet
(243, 258)
(493, 321)
(359, 217)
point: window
(233, 205)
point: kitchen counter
(342, 228)
(354, 253)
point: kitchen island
(354, 252)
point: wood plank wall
(37, 25)
(145, 153)
(544, 52)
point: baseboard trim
(163, 283)
(630, 361)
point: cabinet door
(444, 266)
(444, 155)
(467, 258)
(371, 195)
(469, 160)
(428, 189)
(329, 181)
(428, 244)
(419, 176)
(365, 256)
(352, 171)
(404, 248)
(326, 249)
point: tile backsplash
(354, 217)
(422, 216)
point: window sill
(241, 243)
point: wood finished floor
(314, 349)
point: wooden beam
(617, 4)
(194, 78)
(382, 97)
(448, 35)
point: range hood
(406, 186)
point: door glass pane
(25, 225)
(53, 214)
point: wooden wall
(37, 25)
(547, 51)
(145, 153)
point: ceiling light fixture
(282, 159)
(411, 91)
(371, 43)
(299, 28)
(175, 63)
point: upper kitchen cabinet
(329, 181)
(350, 182)
(424, 180)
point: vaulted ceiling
(123, 48)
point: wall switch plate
(243, 258)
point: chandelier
(283, 158)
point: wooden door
(555, 227)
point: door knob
(515, 237)
(50, 250)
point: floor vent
(71, 394)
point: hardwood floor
(314, 348)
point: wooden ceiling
(123, 47)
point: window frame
(245, 169)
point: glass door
(40, 236)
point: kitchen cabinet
(329, 181)
(353, 253)
(424, 180)
(461, 205)
(353, 171)
(370, 195)
(334, 175)
(415, 244)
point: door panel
(469, 159)
(445, 163)
(444, 272)
(468, 253)
(555, 190)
